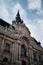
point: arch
(23, 46)
(24, 43)
(26, 39)
(23, 62)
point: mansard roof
(4, 23)
(38, 43)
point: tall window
(7, 47)
(40, 59)
(23, 50)
(34, 56)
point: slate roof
(4, 24)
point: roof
(38, 43)
(4, 24)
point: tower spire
(18, 18)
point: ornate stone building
(17, 47)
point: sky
(31, 12)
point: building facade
(17, 47)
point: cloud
(35, 25)
(36, 29)
(4, 14)
(17, 7)
(40, 12)
(34, 4)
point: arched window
(23, 62)
(23, 50)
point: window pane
(7, 47)
(23, 51)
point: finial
(18, 13)
(18, 10)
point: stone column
(0, 43)
(3, 43)
(12, 52)
(19, 51)
(37, 59)
(16, 51)
(31, 56)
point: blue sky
(31, 11)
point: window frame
(7, 47)
(23, 51)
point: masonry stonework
(17, 47)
